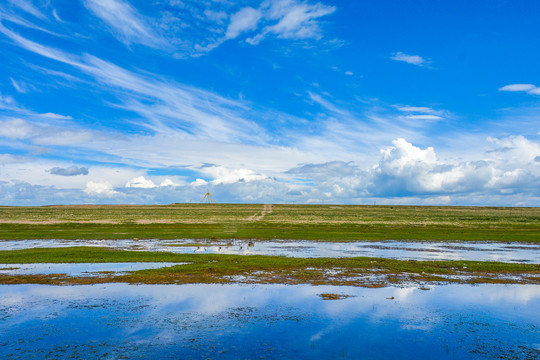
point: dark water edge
(120, 321)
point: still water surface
(403, 250)
(120, 321)
(79, 269)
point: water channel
(512, 252)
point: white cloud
(410, 59)
(216, 16)
(296, 20)
(19, 86)
(125, 20)
(517, 149)
(11, 159)
(285, 19)
(244, 20)
(28, 7)
(104, 188)
(55, 14)
(518, 87)
(143, 183)
(223, 175)
(427, 114)
(424, 117)
(140, 182)
(406, 169)
(168, 182)
(56, 116)
(349, 73)
(41, 133)
(421, 109)
(15, 129)
(174, 106)
(405, 174)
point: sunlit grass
(309, 222)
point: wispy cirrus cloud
(21, 87)
(29, 8)
(428, 117)
(411, 59)
(422, 109)
(284, 19)
(163, 105)
(244, 20)
(422, 113)
(295, 20)
(125, 22)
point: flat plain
(265, 222)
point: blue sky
(283, 101)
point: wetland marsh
(192, 281)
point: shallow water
(78, 269)
(271, 321)
(479, 251)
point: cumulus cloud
(409, 170)
(410, 59)
(409, 174)
(70, 171)
(405, 174)
(103, 188)
(516, 149)
(140, 182)
(528, 88)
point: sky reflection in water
(272, 321)
(79, 269)
(403, 250)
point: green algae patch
(212, 268)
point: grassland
(253, 221)
(209, 268)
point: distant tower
(208, 198)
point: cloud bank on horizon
(275, 101)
